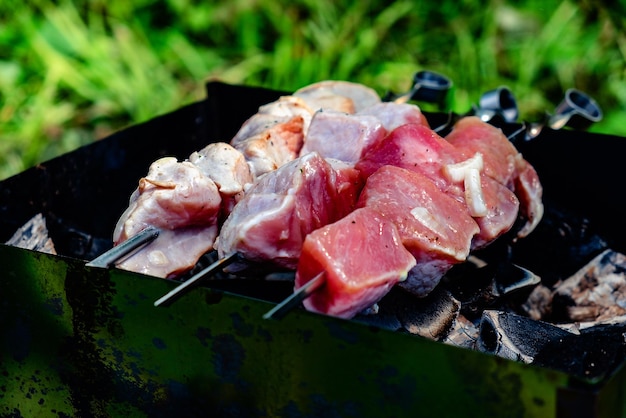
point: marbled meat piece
(342, 136)
(502, 212)
(413, 147)
(434, 226)
(503, 163)
(270, 223)
(419, 149)
(180, 200)
(361, 257)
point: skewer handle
(116, 253)
(428, 86)
(280, 310)
(194, 281)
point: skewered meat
(275, 134)
(393, 115)
(361, 256)
(270, 223)
(441, 201)
(178, 198)
(503, 163)
(266, 141)
(342, 136)
(173, 252)
(172, 195)
(417, 148)
(349, 137)
(434, 227)
(269, 141)
(343, 96)
(228, 169)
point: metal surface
(88, 342)
(500, 101)
(428, 86)
(81, 341)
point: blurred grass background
(74, 72)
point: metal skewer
(498, 102)
(293, 300)
(195, 280)
(577, 110)
(116, 253)
(497, 105)
(428, 86)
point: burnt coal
(589, 353)
(432, 317)
(515, 337)
(597, 292)
(560, 245)
(499, 285)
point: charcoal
(489, 286)
(588, 352)
(595, 293)
(431, 317)
(33, 235)
(560, 245)
(464, 333)
(515, 337)
(538, 305)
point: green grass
(74, 72)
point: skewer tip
(195, 280)
(293, 300)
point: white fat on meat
(474, 194)
(180, 200)
(342, 136)
(343, 96)
(434, 226)
(459, 171)
(503, 163)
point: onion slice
(468, 172)
(474, 194)
(457, 172)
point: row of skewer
(577, 110)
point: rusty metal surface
(88, 342)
